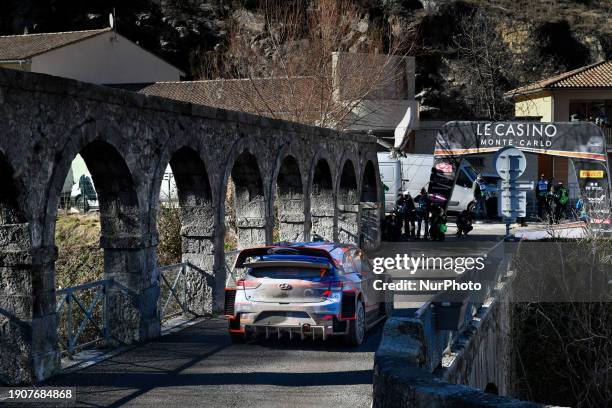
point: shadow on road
(202, 356)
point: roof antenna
(111, 23)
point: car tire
(357, 327)
(238, 338)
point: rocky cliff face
(542, 37)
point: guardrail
(85, 309)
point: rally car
(305, 290)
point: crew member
(422, 213)
(561, 199)
(542, 189)
(409, 216)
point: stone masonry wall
(127, 140)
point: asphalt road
(199, 366)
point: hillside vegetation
(540, 37)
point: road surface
(198, 366)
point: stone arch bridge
(323, 182)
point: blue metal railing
(84, 314)
(173, 296)
(71, 300)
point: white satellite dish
(402, 129)
(111, 20)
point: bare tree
(562, 321)
(287, 68)
(484, 66)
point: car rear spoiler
(262, 251)
(290, 264)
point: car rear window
(287, 272)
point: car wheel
(357, 327)
(238, 338)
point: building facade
(582, 94)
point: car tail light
(335, 286)
(230, 298)
(248, 284)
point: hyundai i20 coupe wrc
(305, 290)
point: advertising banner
(583, 143)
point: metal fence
(173, 291)
(83, 309)
(83, 315)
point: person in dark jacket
(464, 223)
(542, 189)
(409, 216)
(422, 204)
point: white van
(411, 173)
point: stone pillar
(291, 218)
(133, 301)
(198, 243)
(322, 222)
(28, 322)
(251, 231)
(348, 223)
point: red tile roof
(296, 98)
(598, 75)
(21, 47)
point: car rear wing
(262, 251)
(288, 264)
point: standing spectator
(437, 227)
(400, 210)
(480, 197)
(542, 189)
(422, 213)
(561, 197)
(409, 216)
(581, 213)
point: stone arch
(322, 202)
(249, 200)
(348, 204)
(369, 211)
(290, 193)
(129, 255)
(197, 214)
